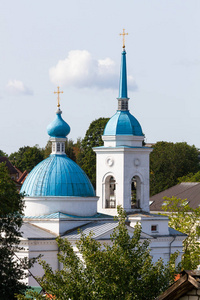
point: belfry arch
(135, 192)
(110, 192)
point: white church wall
(121, 140)
(109, 163)
(148, 225)
(58, 227)
(48, 224)
(136, 163)
(123, 163)
(78, 206)
(163, 247)
(49, 251)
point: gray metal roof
(60, 215)
(30, 231)
(97, 228)
(176, 232)
(184, 190)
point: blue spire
(123, 77)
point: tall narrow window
(58, 147)
(110, 195)
(63, 147)
(135, 192)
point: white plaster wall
(162, 247)
(58, 226)
(122, 140)
(124, 165)
(136, 163)
(78, 206)
(104, 170)
(148, 222)
(48, 224)
(47, 248)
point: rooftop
(184, 190)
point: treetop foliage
(10, 199)
(168, 162)
(190, 177)
(87, 157)
(185, 219)
(2, 153)
(11, 211)
(26, 158)
(120, 270)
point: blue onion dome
(58, 128)
(123, 123)
(57, 175)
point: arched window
(135, 192)
(110, 195)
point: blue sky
(76, 44)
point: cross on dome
(58, 92)
(124, 33)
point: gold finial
(58, 92)
(123, 37)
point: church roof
(61, 215)
(100, 230)
(30, 231)
(57, 175)
(58, 128)
(123, 77)
(123, 123)
(97, 228)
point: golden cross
(123, 37)
(58, 92)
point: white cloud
(16, 87)
(81, 70)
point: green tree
(87, 157)
(11, 268)
(27, 157)
(122, 270)
(168, 162)
(185, 219)
(77, 148)
(2, 153)
(191, 177)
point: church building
(59, 197)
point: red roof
(22, 177)
(11, 168)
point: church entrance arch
(135, 192)
(110, 192)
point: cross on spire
(58, 92)
(124, 33)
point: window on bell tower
(135, 192)
(58, 147)
(110, 192)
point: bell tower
(123, 161)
